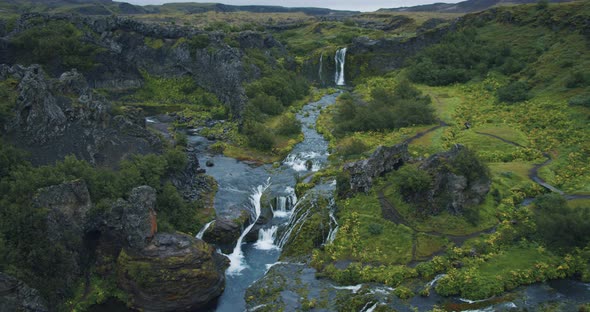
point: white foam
(266, 239)
(236, 257)
(203, 230)
(354, 288)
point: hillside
(468, 6)
(209, 157)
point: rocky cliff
(383, 160)
(17, 296)
(58, 117)
(123, 49)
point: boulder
(68, 205)
(225, 231)
(174, 272)
(455, 186)
(133, 221)
(383, 160)
(17, 296)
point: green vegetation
(43, 263)
(58, 45)
(388, 109)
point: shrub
(351, 147)
(388, 109)
(580, 100)
(199, 42)
(412, 182)
(259, 137)
(514, 92)
(289, 125)
(375, 228)
(266, 104)
(563, 227)
(577, 79)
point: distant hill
(468, 6)
(108, 7)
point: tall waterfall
(340, 59)
(236, 257)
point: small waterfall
(266, 238)
(354, 288)
(285, 203)
(333, 224)
(236, 257)
(371, 308)
(436, 278)
(321, 66)
(295, 220)
(340, 59)
(203, 230)
(302, 161)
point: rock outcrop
(132, 222)
(123, 53)
(383, 160)
(174, 272)
(225, 232)
(17, 296)
(56, 118)
(68, 205)
(459, 181)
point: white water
(150, 120)
(371, 308)
(474, 301)
(354, 288)
(236, 258)
(298, 161)
(433, 282)
(285, 203)
(203, 230)
(266, 239)
(294, 220)
(340, 59)
(333, 225)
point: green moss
(154, 43)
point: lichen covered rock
(383, 160)
(17, 296)
(174, 272)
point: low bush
(517, 91)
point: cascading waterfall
(433, 282)
(266, 238)
(285, 203)
(203, 230)
(333, 224)
(340, 59)
(236, 257)
(294, 220)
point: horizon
(352, 5)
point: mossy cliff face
(175, 272)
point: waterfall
(203, 230)
(295, 220)
(371, 308)
(436, 278)
(285, 203)
(236, 257)
(340, 59)
(302, 161)
(321, 66)
(266, 238)
(333, 224)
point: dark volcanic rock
(132, 221)
(224, 232)
(175, 272)
(56, 118)
(17, 296)
(383, 160)
(454, 186)
(68, 205)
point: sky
(355, 5)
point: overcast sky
(356, 5)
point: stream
(241, 186)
